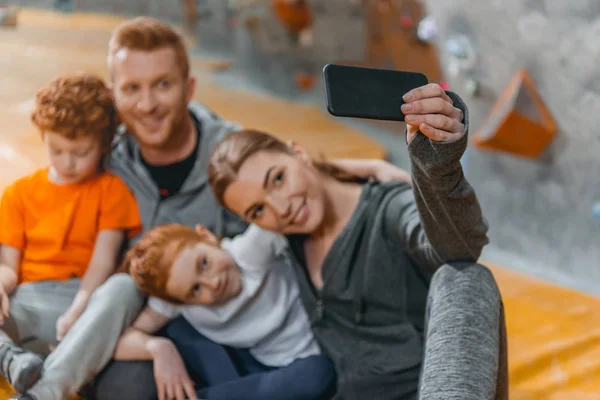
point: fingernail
(408, 97)
(411, 118)
(407, 107)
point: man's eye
(196, 288)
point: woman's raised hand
(430, 110)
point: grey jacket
(195, 203)
(369, 315)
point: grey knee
(465, 278)
(119, 290)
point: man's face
(151, 94)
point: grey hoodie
(195, 203)
(369, 316)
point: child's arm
(103, 263)
(137, 343)
(10, 258)
(169, 369)
(380, 170)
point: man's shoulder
(122, 152)
(214, 127)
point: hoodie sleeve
(441, 220)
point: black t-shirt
(169, 178)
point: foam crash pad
(553, 339)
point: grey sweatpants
(465, 337)
(91, 342)
(34, 309)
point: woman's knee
(468, 278)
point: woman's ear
(207, 235)
(299, 152)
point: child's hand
(4, 305)
(172, 379)
(64, 324)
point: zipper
(320, 309)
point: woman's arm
(102, 264)
(380, 170)
(441, 220)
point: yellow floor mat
(554, 333)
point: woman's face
(279, 192)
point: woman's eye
(278, 178)
(257, 213)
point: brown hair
(149, 261)
(230, 153)
(148, 34)
(75, 106)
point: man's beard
(175, 131)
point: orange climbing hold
(295, 15)
(519, 122)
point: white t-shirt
(267, 317)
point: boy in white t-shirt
(239, 293)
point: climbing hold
(427, 30)
(294, 15)
(8, 15)
(472, 86)
(519, 122)
(445, 85)
(597, 211)
(461, 55)
(305, 80)
(305, 38)
(406, 22)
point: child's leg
(34, 309)
(311, 378)
(207, 360)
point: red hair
(148, 34)
(75, 106)
(150, 260)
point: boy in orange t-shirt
(62, 228)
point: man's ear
(207, 235)
(191, 88)
(300, 152)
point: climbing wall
(540, 210)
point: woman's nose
(282, 206)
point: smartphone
(371, 93)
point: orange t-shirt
(56, 226)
